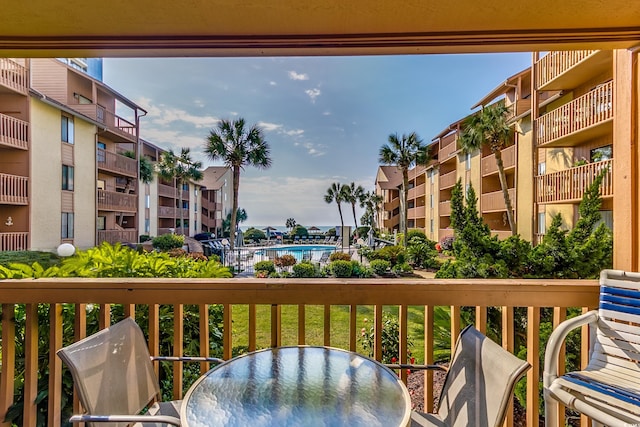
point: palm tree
(237, 147)
(353, 195)
(334, 194)
(370, 202)
(404, 153)
(490, 127)
(182, 169)
(241, 216)
(290, 223)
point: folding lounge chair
(115, 381)
(478, 385)
(608, 389)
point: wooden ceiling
(311, 27)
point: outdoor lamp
(66, 250)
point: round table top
(298, 386)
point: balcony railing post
(533, 375)
(55, 365)
(7, 368)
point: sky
(325, 118)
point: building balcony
(117, 236)
(14, 133)
(494, 201)
(489, 165)
(116, 163)
(119, 202)
(445, 232)
(568, 186)
(16, 241)
(13, 77)
(580, 120)
(118, 128)
(444, 208)
(290, 297)
(171, 212)
(392, 222)
(169, 230)
(448, 146)
(415, 192)
(568, 69)
(393, 204)
(448, 179)
(14, 189)
(166, 191)
(501, 234)
(416, 213)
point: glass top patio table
(298, 386)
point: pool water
(299, 252)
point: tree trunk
(234, 212)
(404, 210)
(340, 212)
(505, 191)
(355, 221)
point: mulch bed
(415, 384)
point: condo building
(217, 197)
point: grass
(45, 259)
(314, 335)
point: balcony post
(7, 369)
(626, 154)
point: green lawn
(314, 326)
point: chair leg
(550, 410)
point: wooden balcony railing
(445, 232)
(119, 202)
(416, 213)
(117, 163)
(117, 236)
(175, 230)
(581, 114)
(14, 76)
(489, 165)
(114, 123)
(502, 234)
(448, 180)
(556, 63)
(166, 191)
(14, 132)
(569, 185)
(444, 208)
(297, 298)
(417, 191)
(448, 147)
(17, 241)
(14, 189)
(393, 204)
(494, 201)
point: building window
(147, 201)
(67, 129)
(195, 192)
(101, 184)
(467, 161)
(147, 225)
(67, 177)
(185, 204)
(195, 207)
(606, 218)
(431, 201)
(542, 225)
(100, 154)
(542, 168)
(82, 99)
(185, 187)
(101, 223)
(67, 225)
(431, 225)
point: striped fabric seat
(608, 389)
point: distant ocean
(323, 228)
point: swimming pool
(299, 252)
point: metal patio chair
(115, 381)
(478, 385)
(608, 389)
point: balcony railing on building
(16, 241)
(444, 208)
(14, 189)
(117, 163)
(448, 146)
(121, 129)
(568, 186)
(119, 202)
(118, 236)
(393, 204)
(579, 120)
(14, 132)
(174, 230)
(14, 76)
(417, 191)
(551, 68)
(171, 212)
(166, 190)
(416, 213)
(494, 201)
(489, 165)
(448, 179)
(295, 297)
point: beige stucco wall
(46, 167)
(524, 181)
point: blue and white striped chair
(608, 389)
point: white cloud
(198, 103)
(163, 116)
(234, 113)
(313, 94)
(171, 139)
(326, 113)
(269, 127)
(295, 76)
(294, 132)
(272, 83)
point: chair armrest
(415, 367)
(186, 359)
(552, 352)
(125, 419)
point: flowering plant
(390, 339)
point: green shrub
(45, 259)
(341, 268)
(422, 255)
(144, 238)
(389, 340)
(339, 256)
(380, 266)
(416, 235)
(393, 254)
(361, 271)
(403, 268)
(285, 261)
(304, 269)
(254, 234)
(167, 242)
(267, 266)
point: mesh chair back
(479, 383)
(112, 371)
